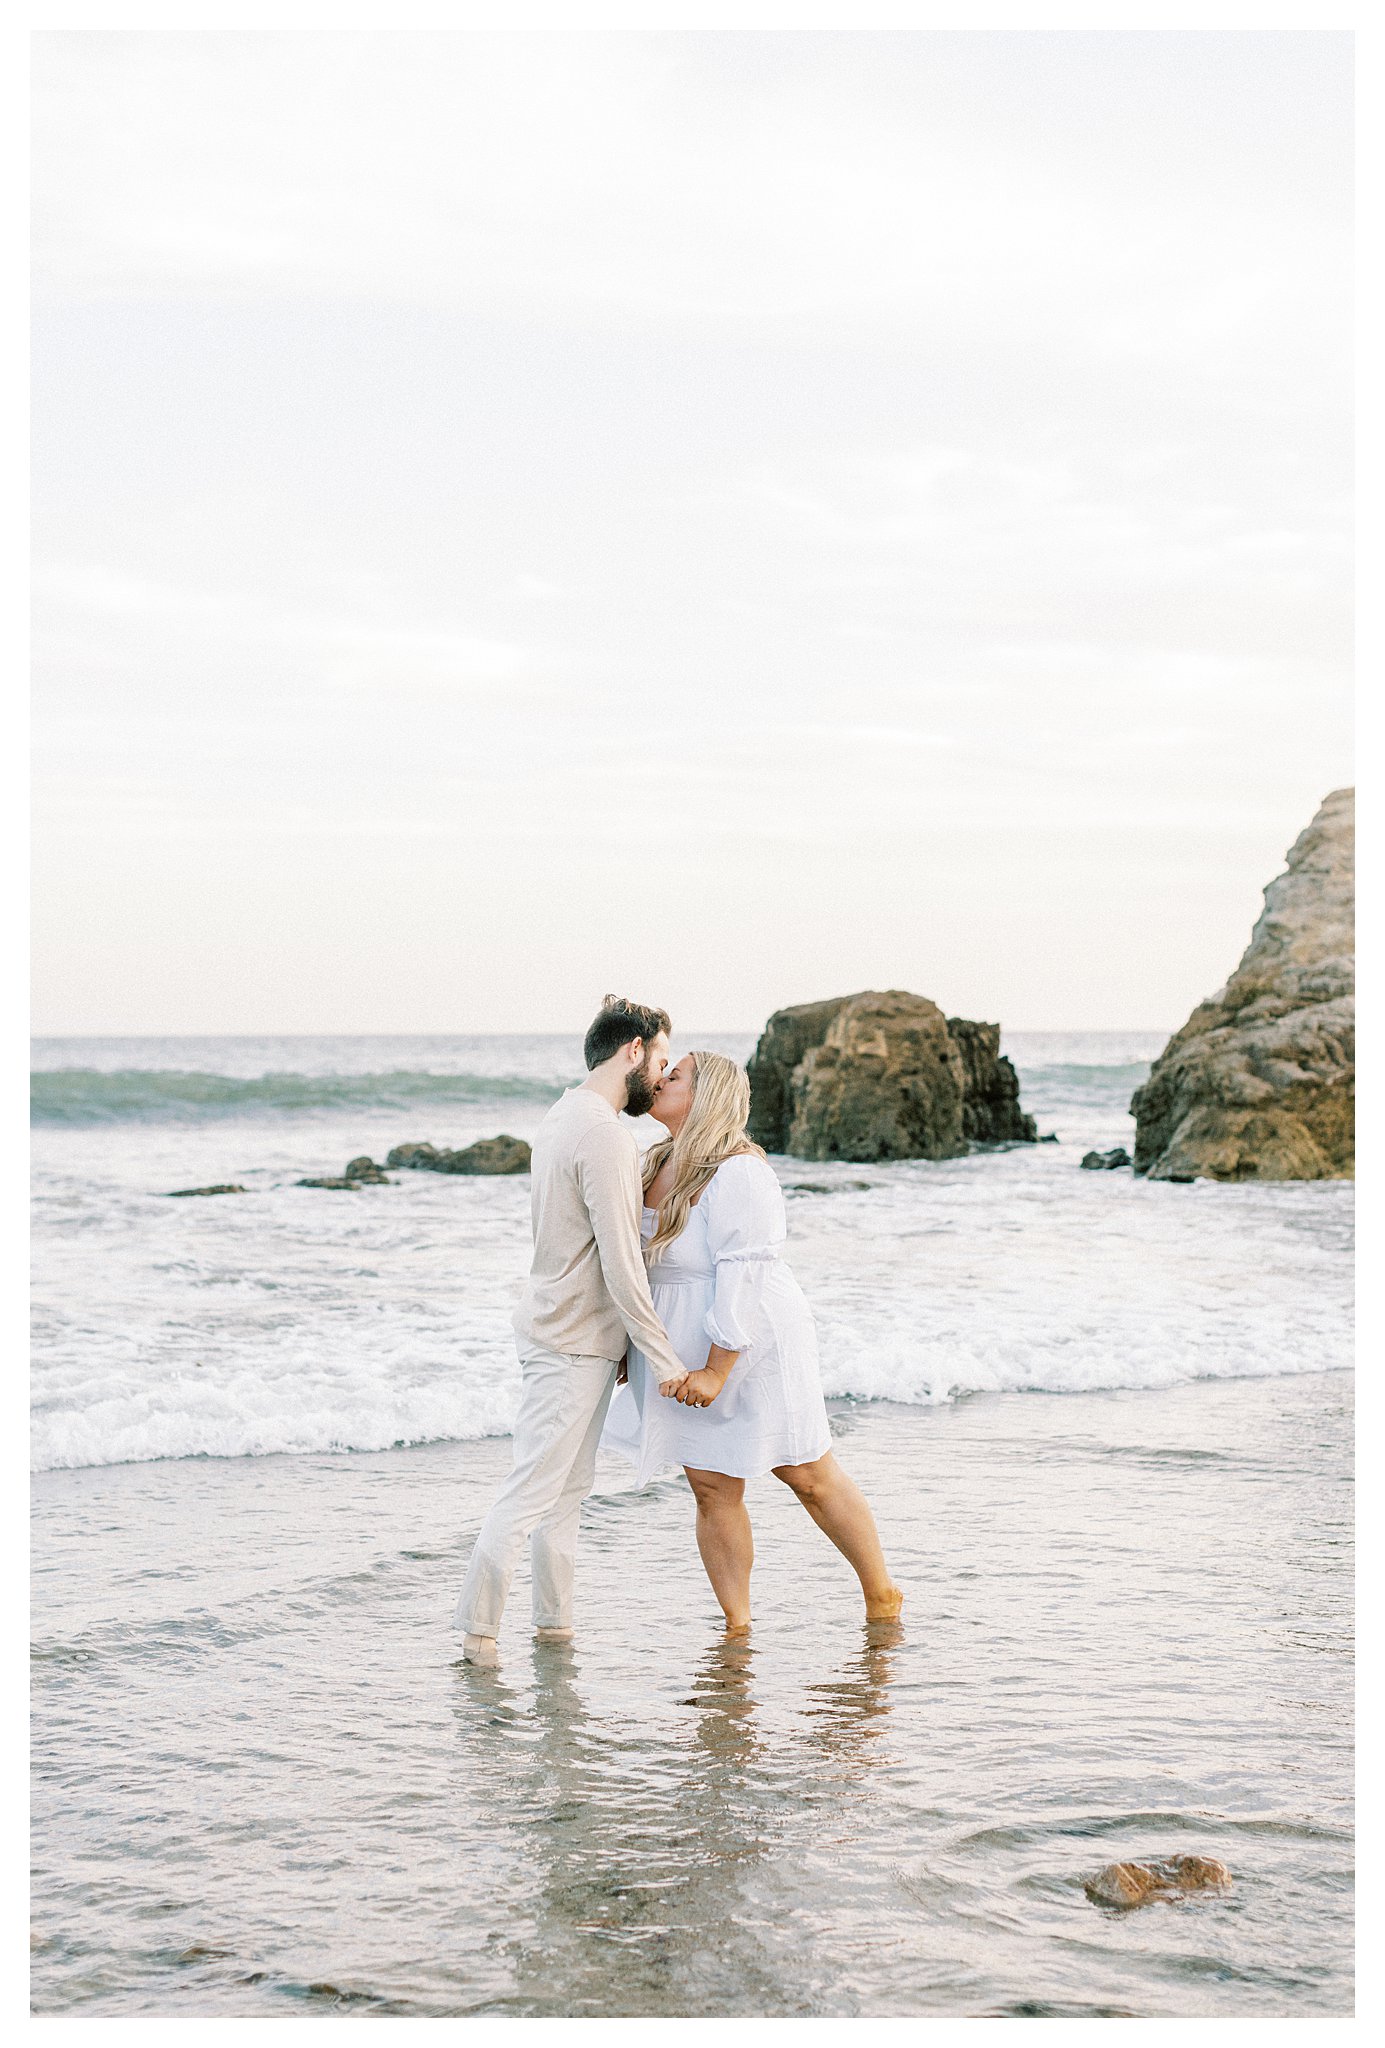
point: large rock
(787, 1038)
(1260, 1084)
(991, 1113)
(881, 1075)
(488, 1155)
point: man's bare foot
(887, 1607)
(480, 1650)
(552, 1635)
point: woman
(752, 1400)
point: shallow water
(263, 1786)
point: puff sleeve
(745, 1228)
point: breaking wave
(82, 1095)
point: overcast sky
(735, 518)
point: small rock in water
(360, 1173)
(826, 1187)
(227, 1187)
(1104, 1161)
(488, 1155)
(1049, 1138)
(364, 1169)
(1171, 1877)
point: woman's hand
(669, 1388)
(700, 1389)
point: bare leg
(840, 1509)
(724, 1541)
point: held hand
(670, 1388)
(700, 1389)
(623, 1374)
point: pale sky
(734, 518)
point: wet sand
(264, 1786)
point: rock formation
(991, 1113)
(1106, 1162)
(226, 1187)
(881, 1075)
(488, 1155)
(786, 1040)
(1260, 1084)
(1172, 1877)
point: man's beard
(639, 1091)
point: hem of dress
(756, 1470)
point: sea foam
(290, 1319)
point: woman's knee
(715, 1489)
(807, 1482)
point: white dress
(722, 1281)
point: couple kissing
(659, 1321)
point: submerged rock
(360, 1173)
(1260, 1084)
(228, 1187)
(1140, 1884)
(881, 1075)
(826, 1187)
(367, 1172)
(1106, 1161)
(488, 1155)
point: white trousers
(562, 1406)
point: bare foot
(739, 1627)
(887, 1607)
(480, 1650)
(552, 1635)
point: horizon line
(575, 1031)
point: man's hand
(623, 1371)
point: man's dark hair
(616, 1023)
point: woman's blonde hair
(713, 1130)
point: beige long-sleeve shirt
(588, 1291)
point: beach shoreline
(263, 1785)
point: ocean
(1106, 1431)
(299, 1319)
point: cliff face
(881, 1075)
(1260, 1084)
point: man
(587, 1297)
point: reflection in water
(641, 1841)
(846, 1713)
(725, 1703)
